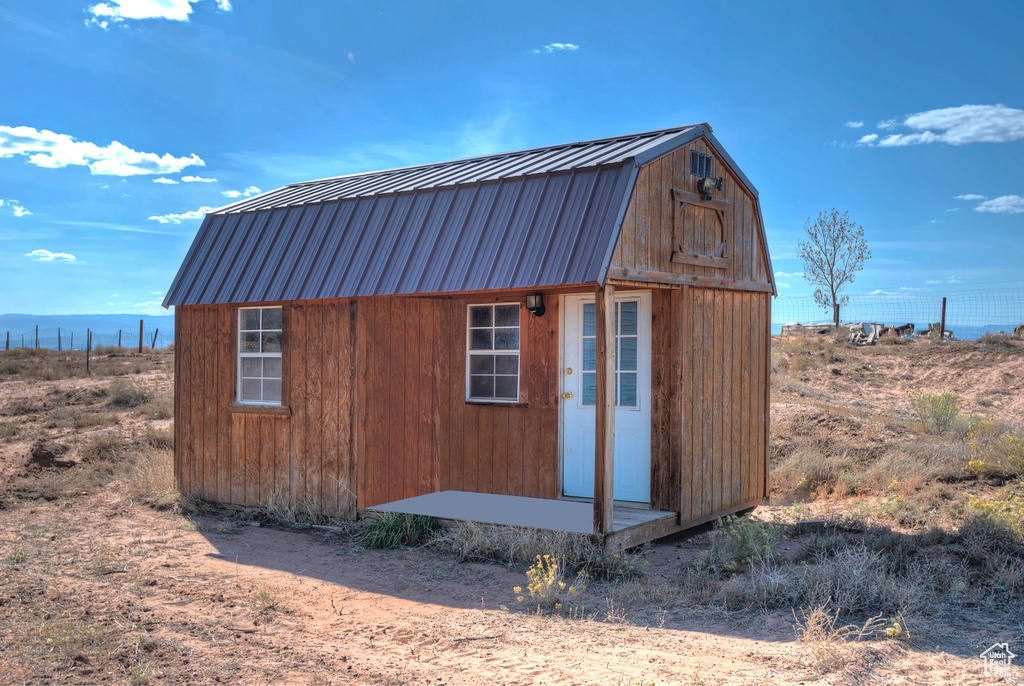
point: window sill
(496, 403)
(241, 408)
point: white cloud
(786, 275)
(971, 196)
(932, 282)
(178, 218)
(782, 285)
(197, 179)
(887, 124)
(162, 179)
(879, 291)
(854, 124)
(56, 150)
(18, 209)
(47, 256)
(1005, 204)
(552, 47)
(251, 190)
(954, 126)
(868, 139)
(119, 10)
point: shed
(574, 337)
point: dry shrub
(515, 546)
(827, 643)
(939, 411)
(151, 479)
(129, 393)
(104, 447)
(160, 406)
(999, 339)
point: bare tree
(834, 252)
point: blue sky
(122, 120)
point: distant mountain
(105, 329)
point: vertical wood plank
(313, 362)
(252, 459)
(682, 401)
(360, 375)
(604, 444)
(707, 400)
(209, 425)
(659, 338)
(297, 370)
(433, 409)
(549, 446)
(268, 489)
(765, 393)
(334, 336)
(237, 459)
(180, 333)
(225, 393)
(445, 353)
(718, 345)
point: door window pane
(627, 389)
(589, 388)
(627, 318)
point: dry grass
(50, 365)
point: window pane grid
(627, 342)
(493, 355)
(259, 355)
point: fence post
(153, 344)
(835, 314)
(88, 348)
(140, 335)
(119, 338)
(58, 339)
(72, 345)
(23, 341)
(942, 325)
(8, 346)
(37, 337)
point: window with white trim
(259, 355)
(492, 362)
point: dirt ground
(96, 587)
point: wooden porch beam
(604, 444)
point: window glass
(493, 341)
(260, 340)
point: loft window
(700, 164)
(259, 355)
(493, 358)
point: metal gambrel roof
(532, 218)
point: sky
(123, 121)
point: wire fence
(59, 338)
(968, 315)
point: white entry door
(632, 396)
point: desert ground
(909, 451)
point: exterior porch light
(535, 304)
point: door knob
(568, 371)
(567, 395)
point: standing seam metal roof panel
(540, 217)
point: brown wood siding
(501, 448)
(646, 240)
(376, 390)
(709, 400)
(304, 460)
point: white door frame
(644, 387)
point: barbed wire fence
(968, 315)
(59, 338)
